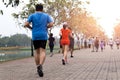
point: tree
(19, 40)
(1, 12)
(7, 3)
(117, 31)
(71, 11)
(4, 41)
(60, 10)
(15, 40)
(13, 3)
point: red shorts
(65, 42)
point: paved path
(85, 65)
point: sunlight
(106, 12)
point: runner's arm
(50, 24)
(27, 24)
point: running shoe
(39, 70)
(63, 61)
(71, 56)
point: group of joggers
(41, 21)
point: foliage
(7, 3)
(60, 10)
(13, 3)
(15, 40)
(117, 31)
(71, 11)
(1, 12)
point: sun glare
(106, 12)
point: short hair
(39, 7)
(51, 34)
(65, 25)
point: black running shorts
(39, 44)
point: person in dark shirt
(71, 46)
(51, 43)
(96, 44)
(60, 50)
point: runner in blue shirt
(40, 23)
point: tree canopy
(15, 40)
(13, 3)
(117, 31)
(72, 11)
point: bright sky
(7, 23)
(106, 11)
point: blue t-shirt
(39, 25)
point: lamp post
(32, 52)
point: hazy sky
(8, 26)
(7, 22)
(106, 11)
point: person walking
(102, 45)
(111, 42)
(96, 44)
(104, 42)
(40, 22)
(65, 42)
(85, 43)
(89, 43)
(51, 42)
(117, 42)
(71, 46)
(93, 43)
(78, 42)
